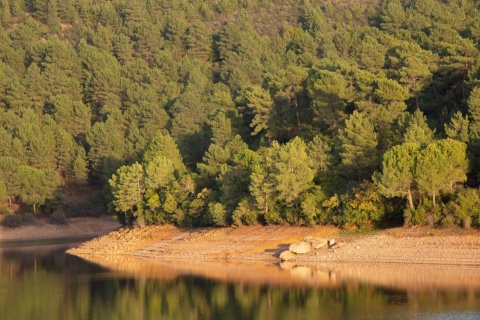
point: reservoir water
(39, 281)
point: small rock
(300, 247)
(287, 255)
(357, 247)
(331, 243)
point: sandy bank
(263, 244)
(81, 227)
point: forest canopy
(357, 113)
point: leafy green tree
(9, 175)
(158, 172)
(127, 187)
(79, 167)
(417, 129)
(199, 41)
(36, 186)
(358, 142)
(440, 165)
(393, 15)
(106, 140)
(312, 211)
(474, 113)
(458, 127)
(164, 146)
(291, 171)
(397, 178)
(258, 109)
(73, 116)
(327, 91)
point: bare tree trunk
(295, 103)
(410, 200)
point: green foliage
(278, 111)
(245, 213)
(358, 143)
(365, 208)
(127, 187)
(464, 209)
(36, 186)
(398, 177)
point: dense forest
(221, 112)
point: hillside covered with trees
(239, 112)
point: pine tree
(358, 142)
(458, 127)
(397, 178)
(127, 186)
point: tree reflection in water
(43, 283)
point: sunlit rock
(300, 247)
(287, 255)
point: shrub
(4, 211)
(58, 217)
(448, 221)
(218, 213)
(245, 213)
(12, 221)
(28, 218)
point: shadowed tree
(358, 142)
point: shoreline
(416, 259)
(77, 228)
(257, 244)
(263, 244)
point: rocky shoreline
(265, 244)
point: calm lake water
(41, 282)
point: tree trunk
(295, 103)
(433, 199)
(34, 208)
(410, 200)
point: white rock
(318, 243)
(300, 247)
(287, 255)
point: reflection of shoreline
(401, 277)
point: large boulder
(287, 255)
(300, 247)
(318, 243)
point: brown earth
(41, 229)
(265, 243)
